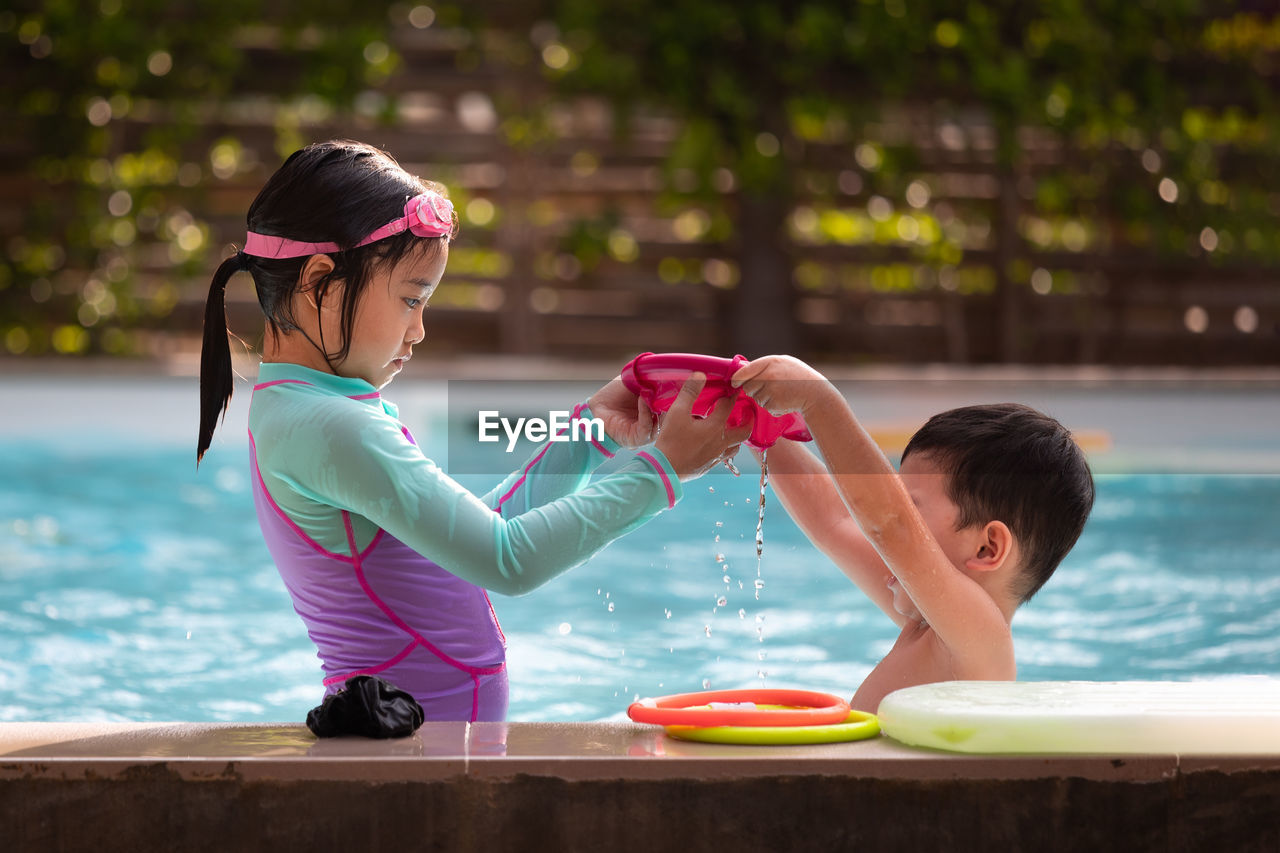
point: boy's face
(927, 485)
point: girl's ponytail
(216, 382)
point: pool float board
(1219, 717)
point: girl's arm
(555, 469)
(562, 467)
(365, 465)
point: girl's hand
(627, 418)
(692, 445)
(781, 384)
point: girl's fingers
(644, 416)
(689, 393)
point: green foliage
(1145, 127)
(109, 102)
(1131, 93)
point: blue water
(134, 588)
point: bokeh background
(861, 181)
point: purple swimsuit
(387, 559)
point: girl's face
(388, 319)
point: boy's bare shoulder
(919, 656)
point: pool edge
(615, 786)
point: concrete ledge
(600, 786)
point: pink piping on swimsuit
(361, 607)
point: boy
(987, 502)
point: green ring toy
(859, 725)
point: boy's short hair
(1008, 462)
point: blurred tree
(112, 106)
(1118, 133)
(756, 83)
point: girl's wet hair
(336, 192)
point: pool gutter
(600, 786)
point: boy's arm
(960, 612)
(962, 615)
(803, 485)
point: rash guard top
(387, 558)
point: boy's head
(1007, 462)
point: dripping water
(759, 584)
(764, 483)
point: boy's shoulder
(919, 656)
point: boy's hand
(692, 445)
(627, 418)
(780, 383)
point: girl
(386, 558)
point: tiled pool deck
(600, 786)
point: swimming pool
(134, 588)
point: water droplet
(759, 583)
(719, 558)
(707, 628)
(717, 539)
(719, 524)
(742, 613)
(726, 578)
(706, 684)
(711, 489)
(761, 655)
(610, 606)
(721, 601)
(565, 628)
(666, 611)
(759, 618)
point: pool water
(134, 588)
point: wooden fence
(514, 287)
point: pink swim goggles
(427, 215)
